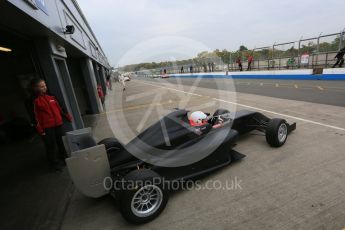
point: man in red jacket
(49, 117)
(250, 61)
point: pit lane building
(49, 39)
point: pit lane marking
(296, 86)
(181, 91)
(293, 85)
(255, 108)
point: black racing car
(170, 150)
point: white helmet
(197, 117)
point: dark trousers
(240, 66)
(340, 61)
(249, 66)
(55, 149)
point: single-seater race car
(138, 174)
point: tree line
(227, 57)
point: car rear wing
(88, 163)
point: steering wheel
(220, 119)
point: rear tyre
(276, 132)
(143, 197)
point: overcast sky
(125, 26)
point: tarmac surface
(32, 195)
(298, 186)
(317, 91)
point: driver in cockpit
(200, 121)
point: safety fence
(310, 53)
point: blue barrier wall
(329, 74)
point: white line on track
(199, 95)
(283, 115)
(255, 108)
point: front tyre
(276, 132)
(144, 196)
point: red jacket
(100, 91)
(48, 113)
(250, 58)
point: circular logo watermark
(153, 120)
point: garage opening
(30, 190)
(79, 85)
(18, 65)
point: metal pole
(341, 39)
(273, 54)
(318, 49)
(229, 61)
(318, 42)
(299, 52)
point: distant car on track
(164, 76)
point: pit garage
(18, 65)
(34, 44)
